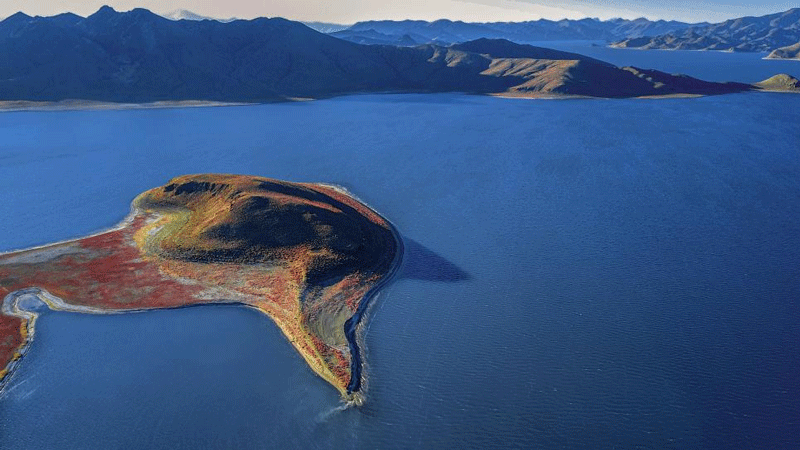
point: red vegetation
(128, 268)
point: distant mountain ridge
(183, 14)
(325, 27)
(416, 32)
(748, 34)
(140, 57)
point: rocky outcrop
(788, 52)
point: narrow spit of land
(309, 256)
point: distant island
(781, 82)
(745, 34)
(309, 256)
(139, 57)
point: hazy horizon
(465, 10)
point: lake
(579, 274)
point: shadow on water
(422, 263)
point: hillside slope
(788, 52)
(139, 57)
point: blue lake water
(582, 274)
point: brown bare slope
(780, 83)
(788, 52)
(534, 71)
(306, 255)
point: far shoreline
(8, 106)
(92, 105)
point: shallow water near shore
(162, 379)
(579, 274)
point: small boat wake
(325, 415)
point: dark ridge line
(351, 325)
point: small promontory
(306, 255)
(788, 52)
(779, 83)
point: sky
(350, 11)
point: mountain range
(778, 32)
(183, 14)
(445, 32)
(416, 32)
(748, 34)
(138, 57)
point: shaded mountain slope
(140, 57)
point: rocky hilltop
(780, 83)
(139, 57)
(788, 52)
(306, 255)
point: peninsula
(309, 256)
(788, 52)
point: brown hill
(532, 71)
(780, 83)
(788, 52)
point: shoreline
(7, 106)
(767, 58)
(354, 326)
(10, 307)
(92, 105)
(730, 51)
(354, 329)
